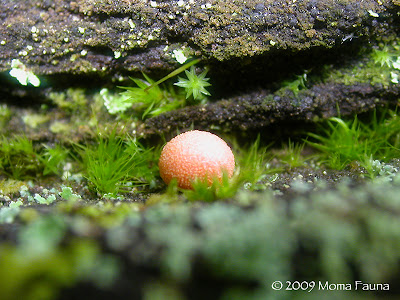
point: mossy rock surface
(110, 36)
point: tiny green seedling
(174, 73)
(152, 100)
(383, 57)
(297, 84)
(194, 84)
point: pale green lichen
(69, 195)
(7, 214)
(180, 56)
(115, 103)
(73, 100)
(60, 127)
(34, 120)
(24, 76)
(41, 200)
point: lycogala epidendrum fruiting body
(195, 155)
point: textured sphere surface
(195, 154)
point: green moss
(60, 127)
(11, 186)
(154, 291)
(383, 57)
(343, 142)
(195, 85)
(295, 85)
(43, 277)
(340, 219)
(256, 245)
(149, 102)
(20, 159)
(72, 101)
(53, 159)
(78, 113)
(116, 164)
(239, 250)
(104, 214)
(5, 114)
(252, 163)
(220, 189)
(291, 154)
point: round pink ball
(195, 154)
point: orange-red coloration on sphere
(195, 154)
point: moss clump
(71, 101)
(377, 66)
(343, 142)
(21, 159)
(11, 186)
(114, 164)
(5, 114)
(18, 157)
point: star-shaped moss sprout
(194, 84)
